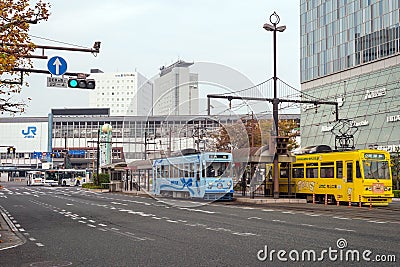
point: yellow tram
(339, 176)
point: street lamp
(274, 20)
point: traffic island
(9, 235)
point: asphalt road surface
(68, 226)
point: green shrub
(103, 178)
(396, 193)
(92, 186)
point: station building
(350, 53)
(40, 140)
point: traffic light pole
(95, 50)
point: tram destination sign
(57, 82)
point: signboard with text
(57, 82)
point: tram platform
(268, 200)
(237, 198)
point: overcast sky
(145, 35)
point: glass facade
(336, 35)
(370, 100)
(350, 55)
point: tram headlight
(388, 188)
(368, 188)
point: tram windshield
(219, 169)
(376, 169)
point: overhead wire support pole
(315, 102)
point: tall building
(176, 90)
(125, 93)
(350, 54)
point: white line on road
(39, 245)
(346, 230)
(257, 218)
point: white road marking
(39, 244)
(346, 230)
(305, 224)
(257, 218)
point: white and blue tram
(206, 175)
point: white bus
(34, 178)
(66, 177)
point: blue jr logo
(30, 132)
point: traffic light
(10, 150)
(282, 145)
(81, 83)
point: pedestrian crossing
(39, 191)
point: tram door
(349, 178)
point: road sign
(57, 65)
(57, 82)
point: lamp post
(274, 20)
(98, 158)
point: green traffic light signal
(82, 83)
(72, 83)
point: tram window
(298, 173)
(210, 171)
(181, 170)
(185, 170)
(284, 170)
(339, 169)
(349, 172)
(326, 170)
(312, 170)
(358, 170)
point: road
(75, 227)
